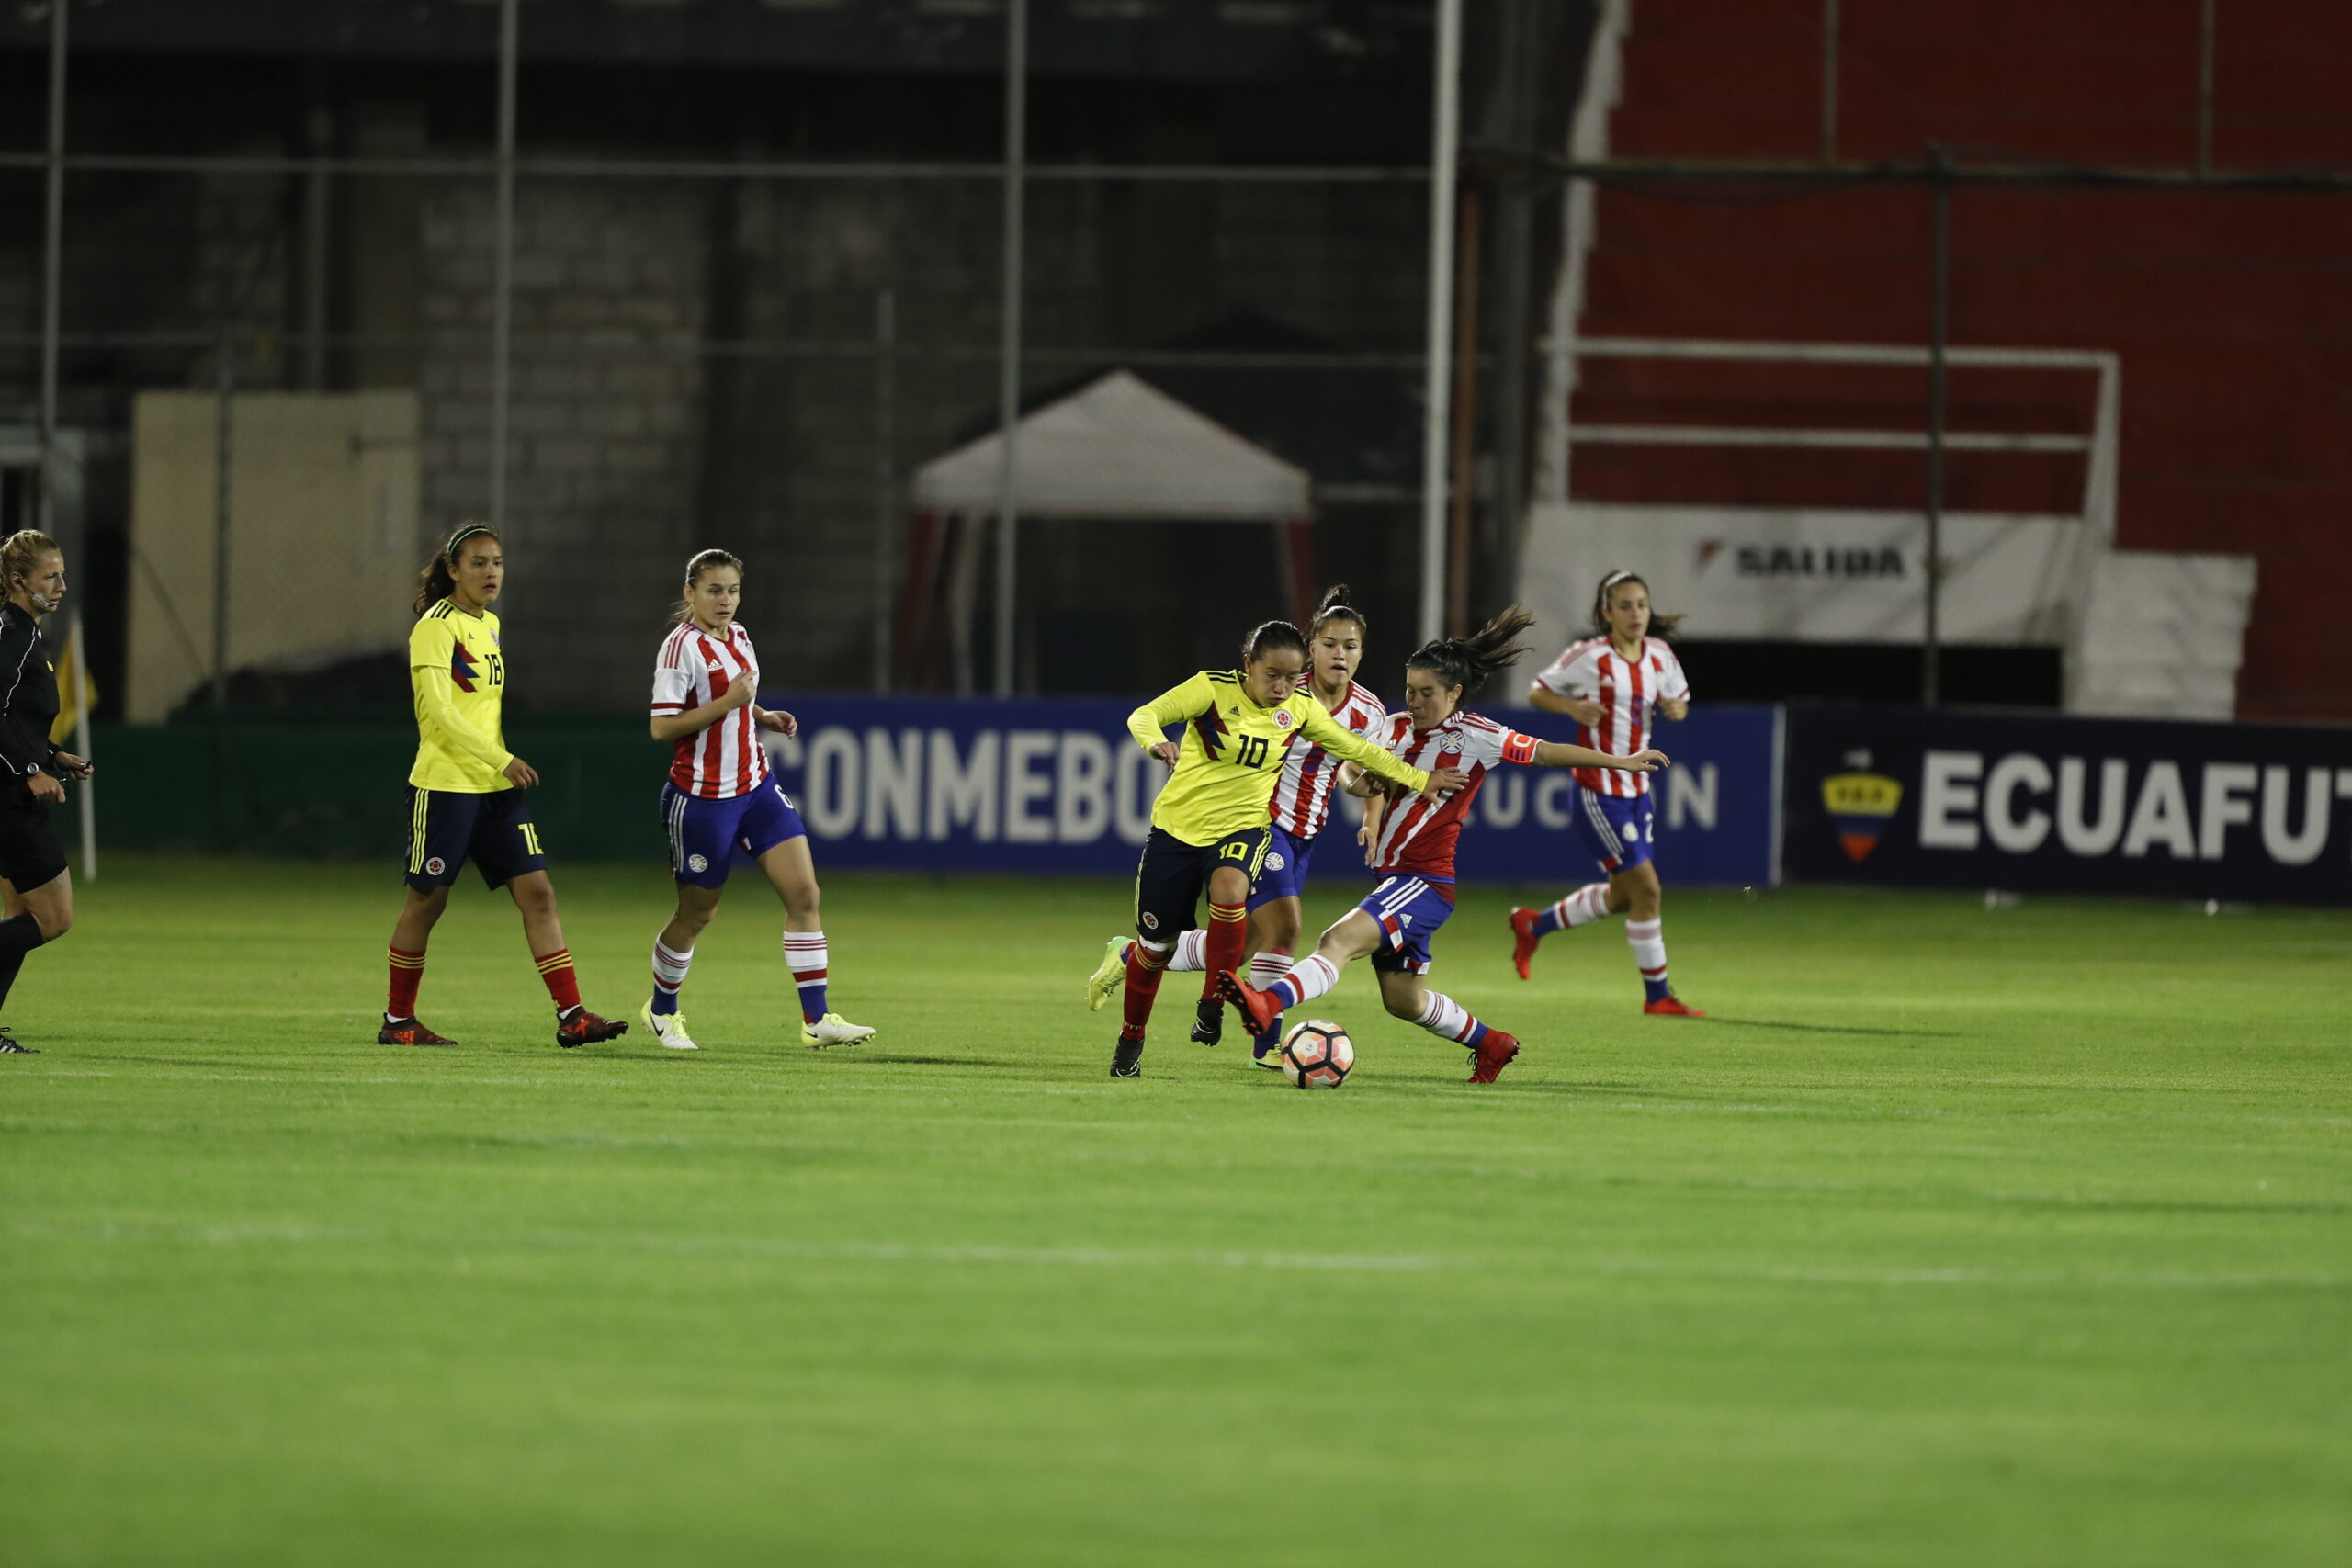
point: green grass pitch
(1958, 1236)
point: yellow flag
(71, 679)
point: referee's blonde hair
(20, 552)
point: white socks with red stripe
(669, 973)
(1308, 978)
(1648, 942)
(805, 950)
(1191, 953)
(1192, 956)
(1448, 1018)
(1581, 907)
(1269, 967)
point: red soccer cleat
(1258, 1010)
(1522, 940)
(584, 1028)
(1671, 1007)
(1491, 1056)
(409, 1031)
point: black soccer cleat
(1208, 1021)
(1127, 1060)
(9, 1047)
(581, 1027)
(409, 1031)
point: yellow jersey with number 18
(1231, 756)
(459, 676)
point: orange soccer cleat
(1524, 939)
(1671, 1005)
(409, 1031)
(1258, 1010)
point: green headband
(450, 551)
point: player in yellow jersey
(1210, 826)
(467, 791)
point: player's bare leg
(673, 949)
(1636, 892)
(420, 912)
(533, 896)
(793, 874)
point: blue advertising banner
(1056, 788)
(1910, 797)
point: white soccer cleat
(1109, 975)
(669, 1027)
(832, 1030)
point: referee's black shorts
(1174, 874)
(30, 852)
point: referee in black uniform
(39, 892)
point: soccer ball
(1318, 1054)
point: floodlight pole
(52, 266)
(502, 285)
(1437, 384)
(1939, 342)
(886, 520)
(1007, 388)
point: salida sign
(2069, 804)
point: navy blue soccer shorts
(448, 826)
(1615, 827)
(705, 834)
(1408, 910)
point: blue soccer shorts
(1408, 910)
(1283, 873)
(705, 834)
(1615, 827)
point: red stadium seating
(2230, 310)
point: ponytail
(1470, 662)
(438, 581)
(1335, 607)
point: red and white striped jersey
(1302, 801)
(696, 667)
(1416, 834)
(1626, 689)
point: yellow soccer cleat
(1109, 975)
(669, 1027)
(832, 1030)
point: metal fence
(616, 359)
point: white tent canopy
(1119, 447)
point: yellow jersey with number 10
(1231, 756)
(458, 677)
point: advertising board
(1059, 788)
(1911, 797)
